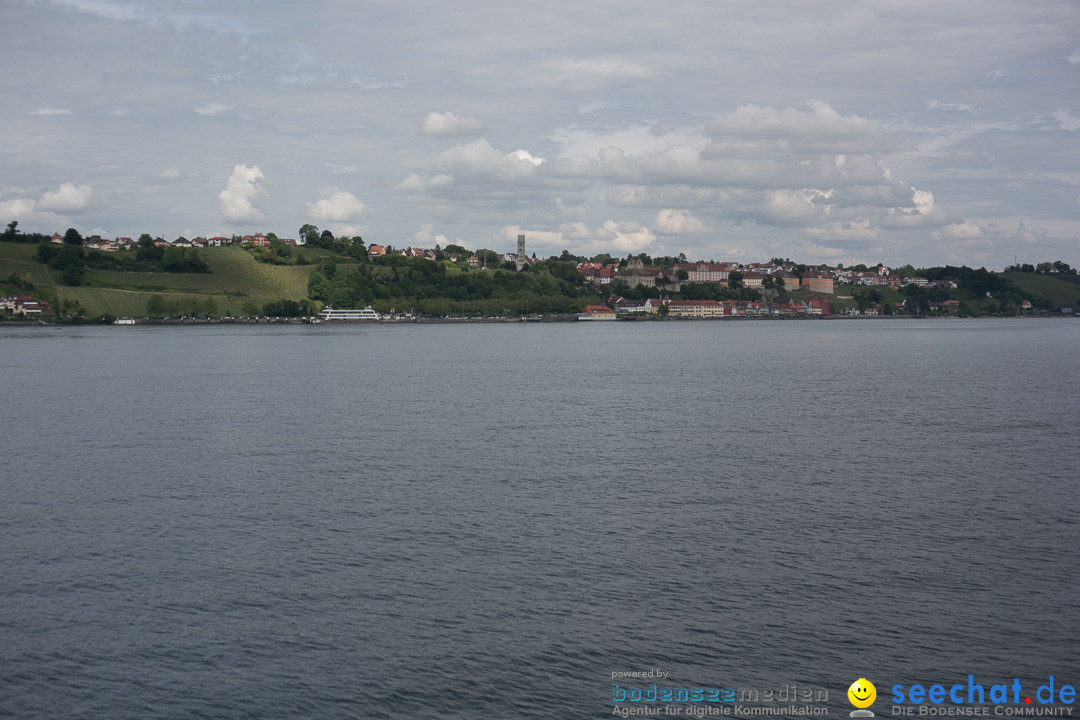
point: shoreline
(489, 320)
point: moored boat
(329, 314)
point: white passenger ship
(329, 314)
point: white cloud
(427, 238)
(416, 183)
(761, 162)
(577, 231)
(446, 124)
(339, 207)
(438, 181)
(68, 198)
(17, 208)
(678, 222)
(919, 210)
(300, 79)
(526, 156)
(924, 201)
(369, 84)
(955, 107)
(612, 237)
(815, 170)
(635, 139)
(626, 236)
(578, 74)
(103, 9)
(413, 183)
(846, 232)
(45, 211)
(689, 119)
(819, 130)
(1066, 121)
(211, 109)
(797, 207)
(347, 230)
(958, 231)
(474, 167)
(596, 106)
(1029, 232)
(475, 158)
(479, 158)
(149, 16)
(533, 238)
(572, 208)
(238, 198)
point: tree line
(12, 234)
(73, 260)
(1056, 267)
(433, 288)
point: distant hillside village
(780, 278)
(635, 286)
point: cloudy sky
(930, 132)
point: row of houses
(375, 251)
(894, 281)
(840, 276)
(23, 305)
(946, 307)
(473, 260)
(753, 275)
(701, 309)
(719, 273)
(96, 242)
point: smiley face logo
(862, 693)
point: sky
(923, 132)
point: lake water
(489, 521)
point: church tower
(521, 253)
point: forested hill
(435, 288)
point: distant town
(342, 276)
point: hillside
(236, 285)
(1060, 293)
(230, 281)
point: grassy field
(1059, 292)
(234, 273)
(237, 285)
(314, 254)
(18, 258)
(126, 303)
